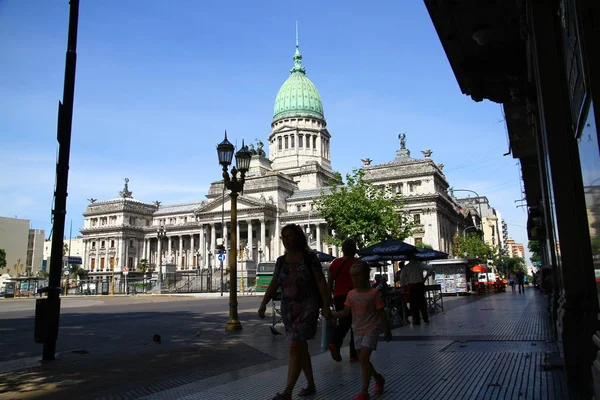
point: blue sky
(158, 82)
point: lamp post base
(233, 325)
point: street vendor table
(435, 300)
(395, 301)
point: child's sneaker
(361, 396)
(379, 384)
(335, 353)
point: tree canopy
(511, 264)
(362, 211)
(535, 249)
(2, 258)
(473, 246)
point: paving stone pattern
(494, 348)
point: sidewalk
(501, 346)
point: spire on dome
(298, 67)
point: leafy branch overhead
(362, 211)
(473, 246)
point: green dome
(298, 96)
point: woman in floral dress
(299, 275)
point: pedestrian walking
(512, 281)
(368, 315)
(340, 284)
(412, 276)
(299, 275)
(520, 275)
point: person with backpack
(340, 284)
(299, 275)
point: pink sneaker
(379, 385)
(361, 396)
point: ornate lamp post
(242, 158)
(161, 233)
(260, 254)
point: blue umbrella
(430, 254)
(323, 257)
(390, 247)
(421, 255)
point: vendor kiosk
(453, 275)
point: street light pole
(478, 204)
(51, 308)
(225, 152)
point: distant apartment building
(515, 249)
(491, 220)
(23, 246)
(72, 248)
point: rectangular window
(101, 263)
(298, 207)
(112, 263)
(112, 244)
(314, 142)
(93, 245)
(292, 140)
(183, 262)
(131, 243)
(286, 142)
(279, 141)
(102, 244)
(300, 141)
(93, 265)
(417, 218)
(308, 141)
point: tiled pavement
(499, 347)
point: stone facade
(278, 190)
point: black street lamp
(161, 233)
(225, 152)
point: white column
(169, 250)
(85, 255)
(276, 241)
(237, 235)
(224, 234)
(319, 245)
(192, 253)
(213, 234)
(179, 263)
(203, 245)
(263, 237)
(250, 240)
(145, 243)
(120, 254)
(158, 254)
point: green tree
(535, 249)
(422, 245)
(473, 246)
(2, 258)
(511, 264)
(362, 211)
(143, 266)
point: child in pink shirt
(367, 315)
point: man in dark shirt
(520, 281)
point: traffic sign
(221, 257)
(125, 270)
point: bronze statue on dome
(402, 138)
